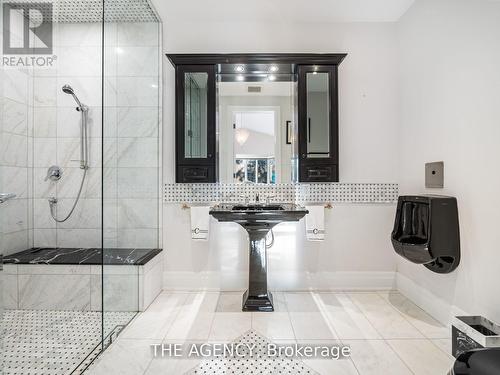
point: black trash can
(473, 332)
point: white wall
(358, 236)
(450, 110)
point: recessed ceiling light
(271, 77)
(273, 68)
(119, 50)
(239, 68)
(240, 77)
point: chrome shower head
(67, 89)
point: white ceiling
(282, 10)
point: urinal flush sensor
(434, 175)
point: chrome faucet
(4, 197)
(257, 198)
(269, 197)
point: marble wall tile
(45, 90)
(141, 238)
(41, 214)
(79, 61)
(137, 91)
(69, 184)
(78, 237)
(13, 150)
(137, 121)
(53, 269)
(137, 182)
(44, 237)
(137, 152)
(138, 34)
(15, 241)
(137, 213)
(44, 122)
(87, 214)
(44, 152)
(136, 61)
(15, 117)
(15, 85)
(80, 34)
(15, 179)
(14, 215)
(54, 292)
(120, 292)
(150, 284)
(68, 152)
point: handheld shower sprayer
(84, 153)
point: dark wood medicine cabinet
(316, 145)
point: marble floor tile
(125, 357)
(227, 326)
(375, 357)
(229, 302)
(389, 323)
(311, 325)
(194, 320)
(347, 319)
(422, 356)
(444, 345)
(157, 319)
(276, 325)
(301, 302)
(427, 325)
(325, 366)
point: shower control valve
(54, 173)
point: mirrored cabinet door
(195, 118)
(318, 123)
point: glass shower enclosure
(80, 109)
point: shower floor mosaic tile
(386, 333)
(53, 342)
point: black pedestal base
(258, 303)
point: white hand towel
(200, 222)
(315, 223)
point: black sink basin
(258, 207)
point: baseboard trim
(281, 281)
(435, 306)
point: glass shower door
(130, 164)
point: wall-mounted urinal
(426, 231)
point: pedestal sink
(258, 220)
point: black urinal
(426, 231)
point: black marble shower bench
(90, 256)
(78, 279)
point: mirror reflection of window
(195, 112)
(318, 115)
(254, 107)
(254, 146)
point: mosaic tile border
(375, 193)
